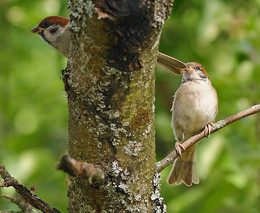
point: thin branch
(21, 203)
(94, 175)
(25, 193)
(217, 126)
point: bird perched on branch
(194, 107)
(55, 30)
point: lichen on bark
(110, 77)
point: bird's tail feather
(184, 170)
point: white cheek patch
(50, 38)
(43, 36)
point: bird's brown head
(49, 21)
(194, 71)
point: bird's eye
(54, 30)
(197, 67)
(46, 24)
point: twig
(25, 193)
(75, 168)
(194, 139)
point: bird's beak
(188, 68)
(37, 30)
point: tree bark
(110, 85)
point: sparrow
(194, 107)
(55, 30)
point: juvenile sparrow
(55, 30)
(195, 105)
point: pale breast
(195, 105)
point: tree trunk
(110, 85)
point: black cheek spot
(53, 30)
(202, 75)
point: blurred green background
(224, 36)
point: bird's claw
(208, 128)
(179, 147)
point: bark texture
(110, 85)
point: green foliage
(222, 35)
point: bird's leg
(179, 147)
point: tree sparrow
(55, 30)
(195, 105)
